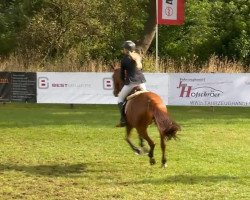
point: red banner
(171, 12)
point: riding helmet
(129, 45)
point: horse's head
(117, 82)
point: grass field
(54, 152)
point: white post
(156, 38)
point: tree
(14, 16)
(233, 29)
(149, 28)
(48, 30)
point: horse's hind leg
(143, 133)
(128, 135)
(144, 149)
(141, 142)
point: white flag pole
(156, 38)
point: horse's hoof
(138, 152)
(152, 161)
(164, 165)
(145, 151)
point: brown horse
(141, 111)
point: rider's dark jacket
(130, 73)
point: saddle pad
(135, 94)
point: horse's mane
(117, 81)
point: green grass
(54, 152)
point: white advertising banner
(209, 89)
(88, 88)
(175, 89)
(158, 83)
(75, 88)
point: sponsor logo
(219, 103)
(169, 11)
(71, 85)
(43, 83)
(169, 2)
(107, 84)
(198, 92)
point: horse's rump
(137, 110)
(148, 107)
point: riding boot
(122, 122)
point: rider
(131, 75)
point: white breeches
(127, 89)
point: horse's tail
(167, 127)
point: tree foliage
(51, 29)
(219, 28)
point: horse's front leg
(128, 135)
(163, 148)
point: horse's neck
(117, 76)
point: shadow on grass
(48, 170)
(93, 115)
(184, 179)
(89, 115)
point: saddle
(134, 93)
(137, 90)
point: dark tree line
(48, 30)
